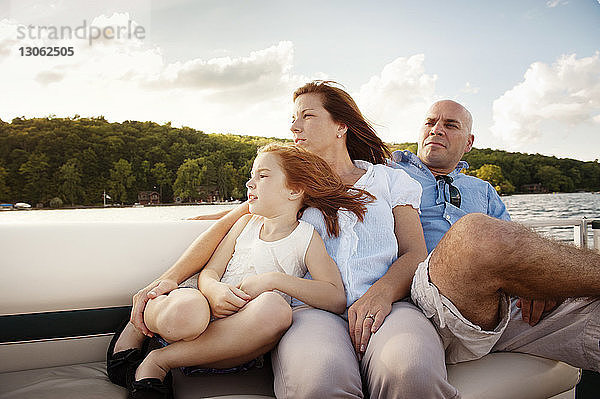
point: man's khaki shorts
(569, 333)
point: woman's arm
(200, 251)
(324, 291)
(224, 299)
(394, 284)
(212, 216)
(192, 260)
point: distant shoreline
(212, 203)
(120, 206)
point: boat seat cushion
(544, 379)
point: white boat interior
(67, 286)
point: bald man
(479, 265)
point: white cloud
(128, 78)
(397, 98)
(557, 99)
(554, 3)
(469, 89)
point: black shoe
(148, 388)
(116, 363)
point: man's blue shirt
(437, 213)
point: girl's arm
(324, 291)
(192, 260)
(224, 299)
(394, 284)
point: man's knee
(471, 251)
(469, 233)
(477, 235)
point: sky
(528, 70)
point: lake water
(536, 207)
(148, 213)
(529, 207)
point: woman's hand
(151, 291)
(365, 316)
(225, 299)
(257, 284)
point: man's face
(445, 136)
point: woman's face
(313, 127)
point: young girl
(269, 250)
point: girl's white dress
(253, 256)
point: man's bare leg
(480, 257)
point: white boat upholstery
(65, 285)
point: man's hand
(151, 291)
(257, 284)
(532, 309)
(365, 316)
(225, 299)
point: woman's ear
(342, 129)
(295, 194)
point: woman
(376, 269)
(379, 334)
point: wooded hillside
(76, 159)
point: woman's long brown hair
(323, 188)
(361, 140)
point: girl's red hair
(323, 188)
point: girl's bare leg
(227, 342)
(181, 315)
(130, 338)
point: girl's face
(267, 189)
(313, 127)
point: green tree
(189, 178)
(242, 176)
(121, 180)
(144, 175)
(550, 177)
(506, 187)
(35, 172)
(491, 174)
(56, 202)
(4, 189)
(70, 178)
(413, 147)
(226, 179)
(161, 176)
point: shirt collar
(366, 179)
(408, 157)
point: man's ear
(295, 194)
(470, 141)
